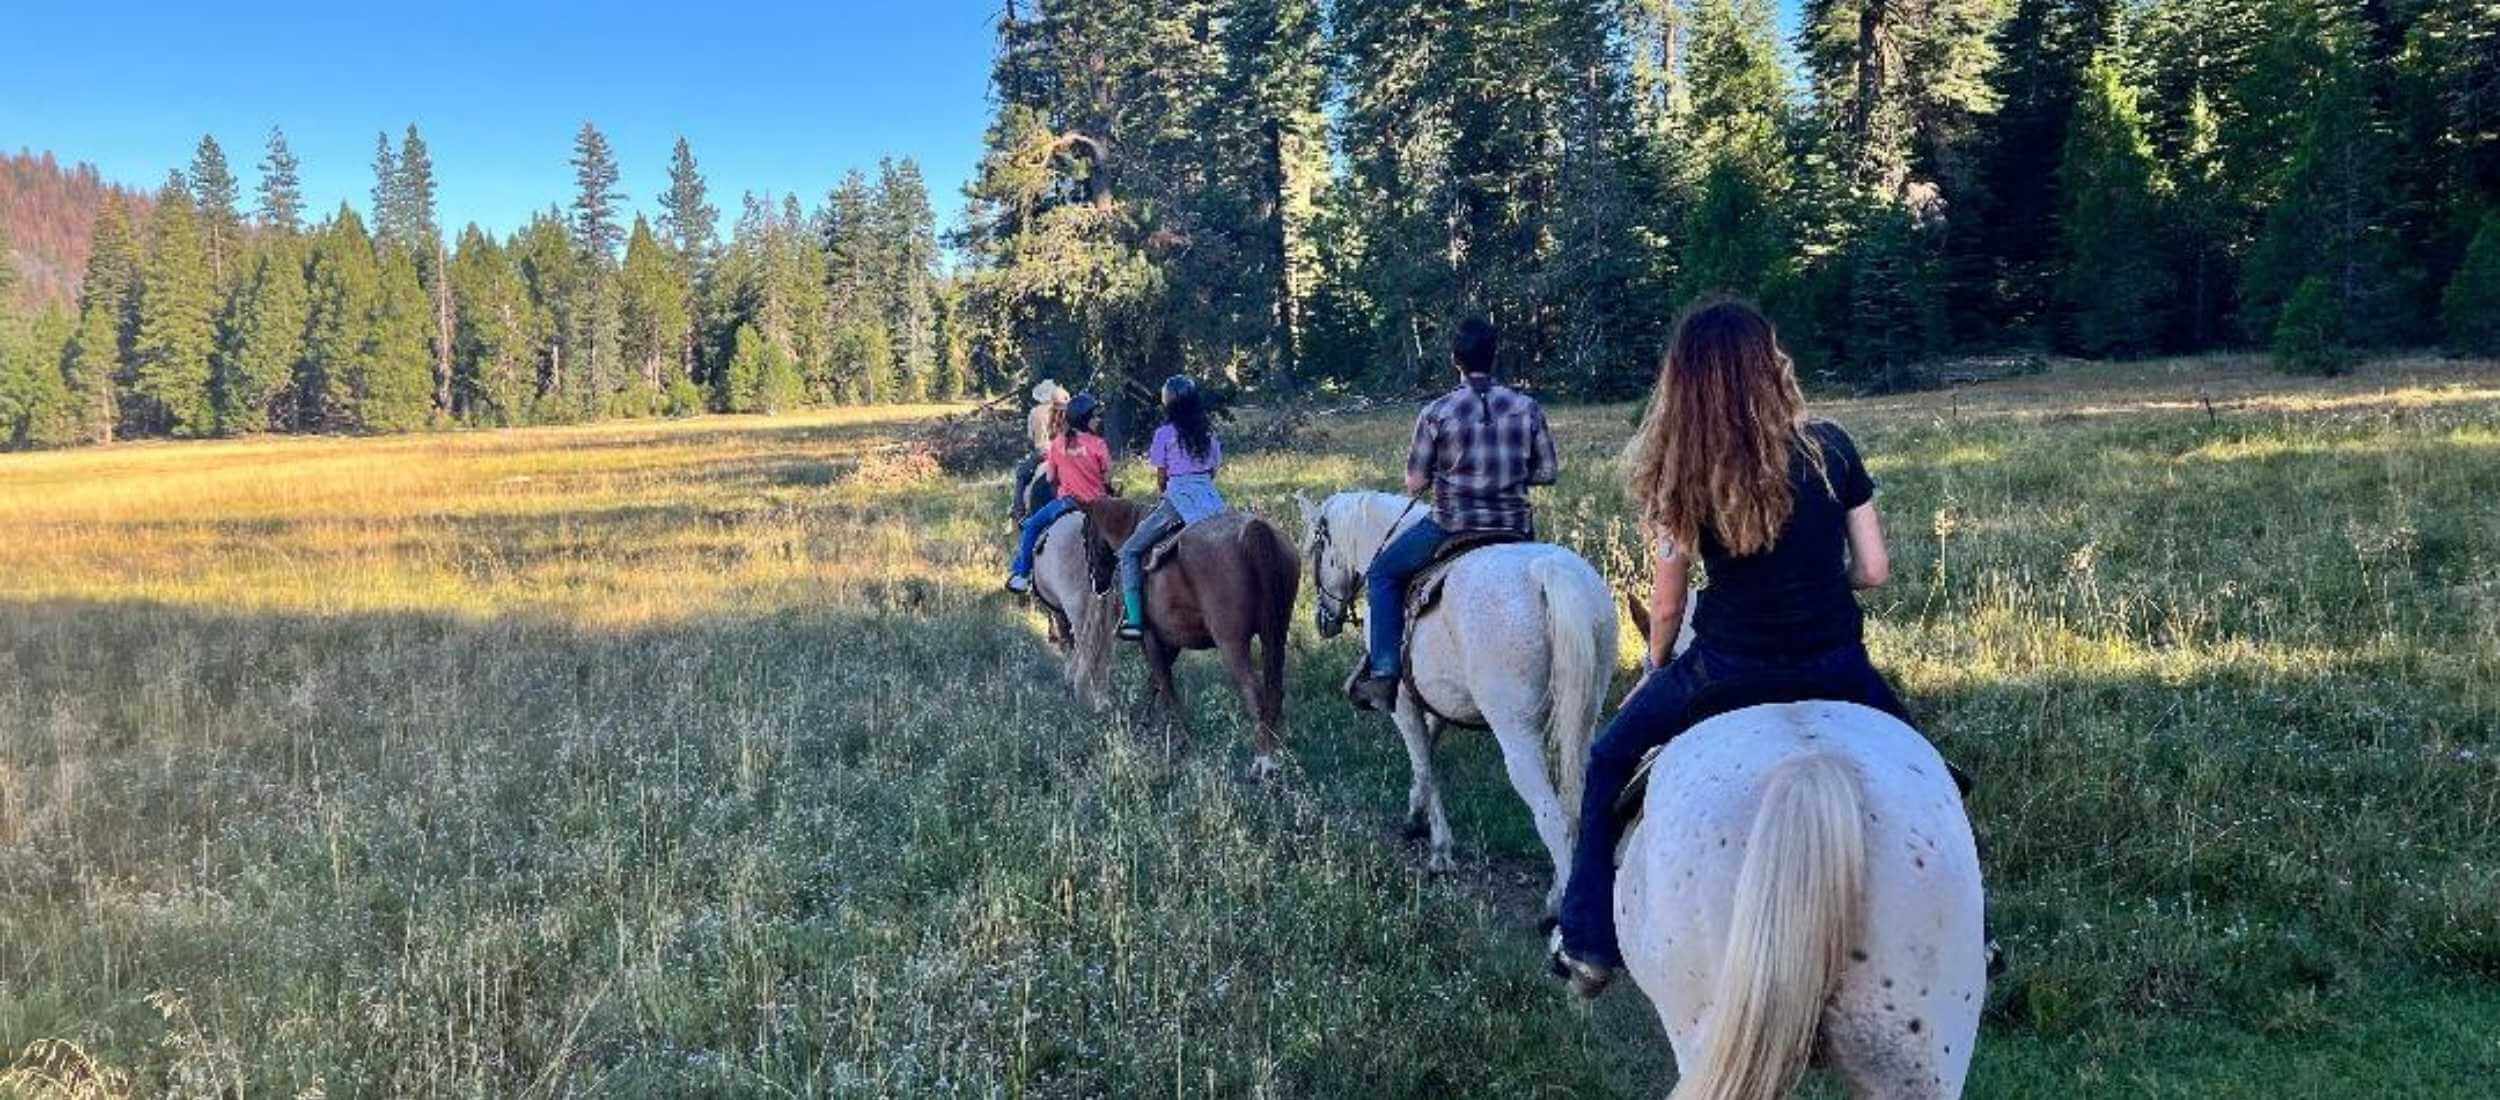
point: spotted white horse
(1522, 642)
(1063, 583)
(1803, 884)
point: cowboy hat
(1047, 392)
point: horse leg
(1236, 651)
(1523, 755)
(1424, 815)
(1159, 658)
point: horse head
(1335, 584)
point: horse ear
(1310, 511)
(1640, 615)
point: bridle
(1346, 610)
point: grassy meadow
(703, 758)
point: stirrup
(1587, 979)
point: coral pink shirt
(1081, 469)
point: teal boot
(1133, 615)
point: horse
(1522, 642)
(1803, 884)
(1231, 579)
(1064, 572)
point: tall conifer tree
(176, 325)
(281, 191)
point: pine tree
(907, 228)
(221, 223)
(345, 284)
(687, 216)
(690, 224)
(1736, 233)
(96, 366)
(657, 319)
(415, 193)
(392, 387)
(281, 192)
(261, 343)
(595, 197)
(389, 207)
(2043, 47)
(2115, 288)
(36, 409)
(2309, 337)
(176, 325)
(2470, 307)
(2335, 217)
(495, 357)
(424, 237)
(551, 269)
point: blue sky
(774, 97)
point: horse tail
(1580, 633)
(1089, 660)
(1277, 572)
(1789, 936)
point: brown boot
(1378, 693)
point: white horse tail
(1795, 920)
(1580, 631)
(1089, 658)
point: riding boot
(1133, 615)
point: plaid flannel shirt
(1481, 466)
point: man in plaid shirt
(1479, 447)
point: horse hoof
(1441, 863)
(1264, 768)
(1416, 828)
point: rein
(1347, 610)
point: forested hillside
(207, 312)
(46, 211)
(1287, 194)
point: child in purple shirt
(1185, 455)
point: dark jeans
(1657, 710)
(1405, 556)
(1034, 525)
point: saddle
(1159, 554)
(1728, 697)
(1424, 594)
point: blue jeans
(1038, 522)
(1399, 561)
(1158, 523)
(1661, 707)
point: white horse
(1063, 583)
(1522, 641)
(1802, 882)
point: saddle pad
(1424, 592)
(1160, 554)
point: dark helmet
(1081, 409)
(1177, 389)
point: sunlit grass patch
(702, 757)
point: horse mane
(1366, 519)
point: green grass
(700, 758)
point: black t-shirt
(1793, 598)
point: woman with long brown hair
(1728, 469)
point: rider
(1185, 455)
(1079, 463)
(1032, 484)
(1479, 448)
(1729, 469)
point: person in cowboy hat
(1033, 487)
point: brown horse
(1231, 578)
